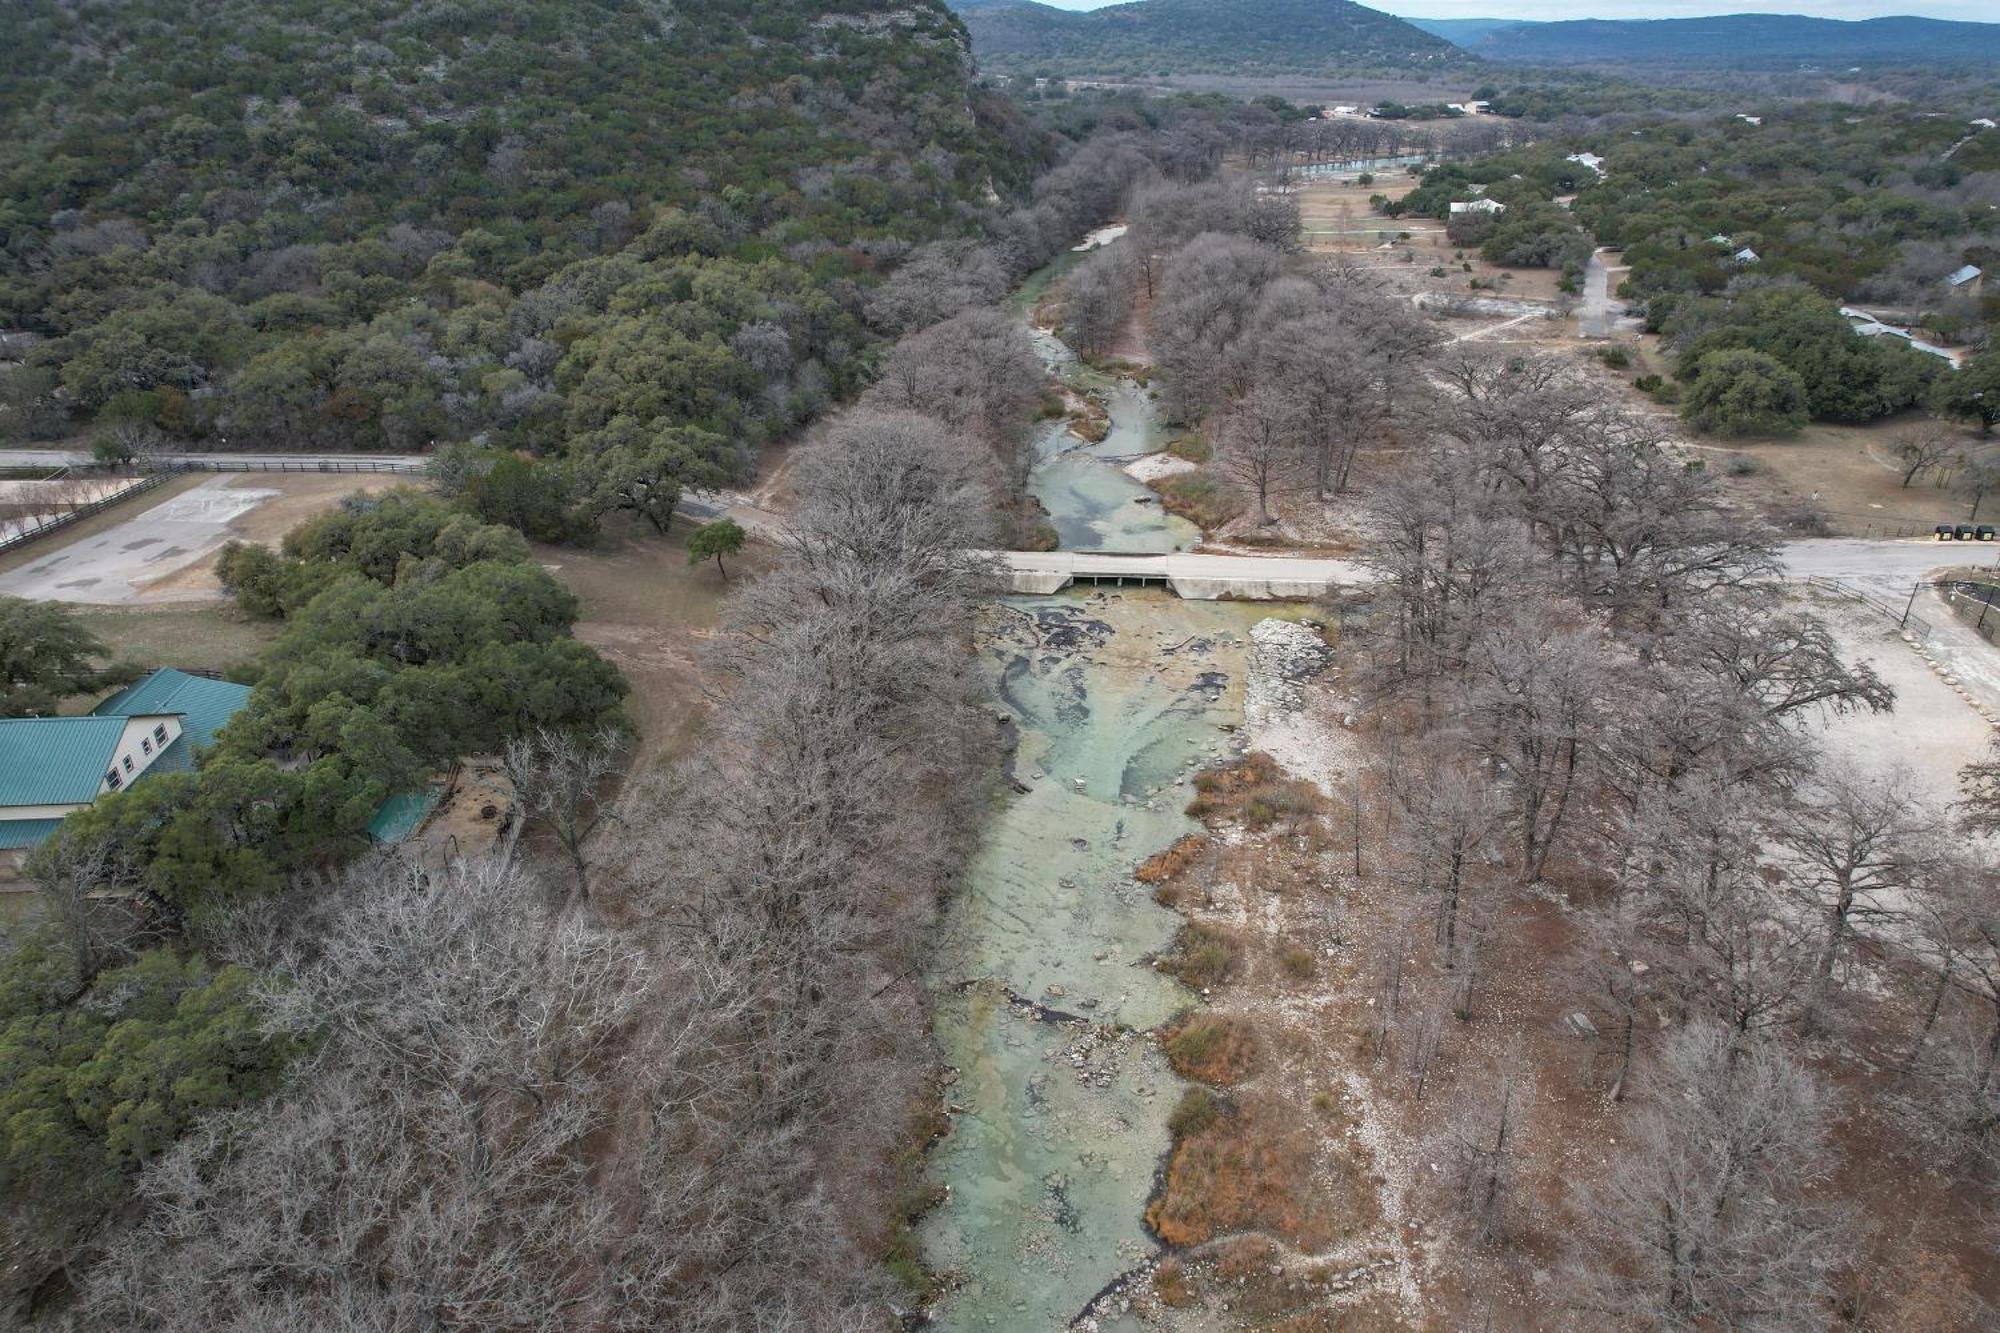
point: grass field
(648, 612)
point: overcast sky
(1975, 10)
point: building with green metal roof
(50, 766)
(204, 706)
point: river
(1043, 986)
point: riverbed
(1044, 985)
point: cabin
(1478, 206)
(1966, 281)
(1590, 160)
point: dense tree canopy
(413, 635)
(44, 655)
(353, 225)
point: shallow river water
(1043, 986)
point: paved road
(55, 458)
(1599, 315)
(1887, 569)
(1197, 577)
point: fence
(1974, 603)
(1916, 626)
(226, 463)
(43, 526)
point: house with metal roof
(1967, 280)
(50, 766)
(204, 706)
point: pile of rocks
(1284, 655)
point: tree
(468, 1048)
(1211, 290)
(1745, 392)
(1858, 851)
(1706, 1217)
(722, 537)
(45, 656)
(1924, 448)
(1098, 297)
(1483, 1146)
(1972, 391)
(1262, 453)
(89, 1091)
(558, 780)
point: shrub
(1298, 962)
(1199, 498)
(1212, 1048)
(1195, 1111)
(1615, 357)
(1166, 865)
(1194, 448)
(1204, 956)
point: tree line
(1588, 684)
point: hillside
(1739, 39)
(1465, 33)
(1152, 37)
(359, 223)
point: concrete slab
(1204, 578)
(116, 566)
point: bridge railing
(226, 463)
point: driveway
(118, 566)
(1600, 316)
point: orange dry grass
(1247, 1170)
(1213, 1049)
(1177, 858)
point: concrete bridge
(1203, 578)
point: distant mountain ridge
(1744, 39)
(1463, 33)
(1196, 36)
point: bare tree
(1536, 705)
(559, 781)
(1928, 447)
(1262, 454)
(1483, 1144)
(1097, 298)
(1706, 1217)
(1855, 850)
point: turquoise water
(1043, 985)
(1092, 503)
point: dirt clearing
(648, 611)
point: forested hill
(1742, 39)
(370, 223)
(1151, 37)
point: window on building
(160, 733)
(112, 779)
(128, 763)
(145, 745)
